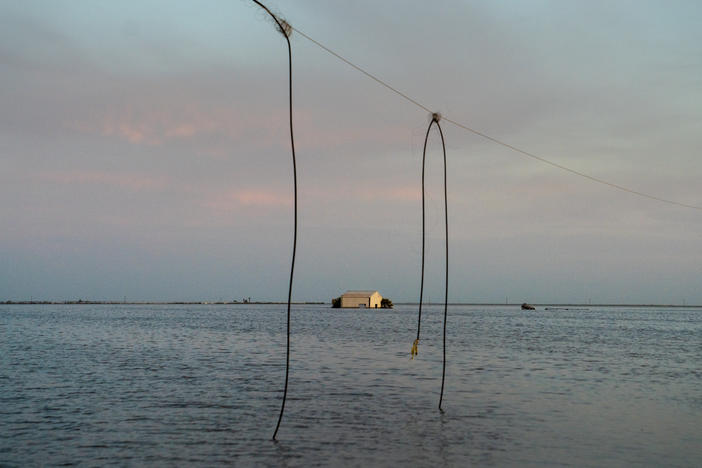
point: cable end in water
(414, 351)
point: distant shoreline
(81, 302)
(489, 304)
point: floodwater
(202, 385)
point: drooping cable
(496, 140)
(435, 118)
(285, 29)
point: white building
(361, 299)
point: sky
(145, 154)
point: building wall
(356, 301)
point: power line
(434, 120)
(493, 139)
(284, 28)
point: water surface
(168, 385)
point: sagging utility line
(435, 118)
(285, 29)
(496, 140)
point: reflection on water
(202, 385)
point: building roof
(360, 293)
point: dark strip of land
(82, 302)
(487, 304)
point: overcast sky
(144, 150)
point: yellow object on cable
(414, 351)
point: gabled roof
(360, 293)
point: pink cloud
(252, 198)
(179, 120)
(182, 121)
(155, 128)
(135, 182)
(312, 135)
(236, 199)
(402, 194)
(132, 134)
(184, 130)
(321, 196)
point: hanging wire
(435, 118)
(286, 29)
(496, 140)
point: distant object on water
(526, 306)
(361, 299)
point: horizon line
(265, 302)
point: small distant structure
(356, 299)
(526, 306)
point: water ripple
(201, 385)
